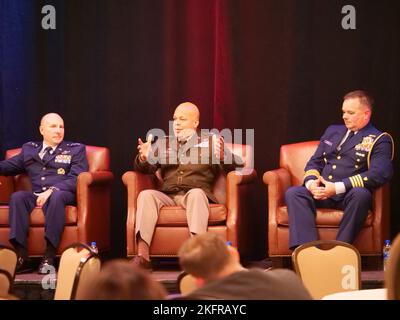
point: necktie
(349, 136)
(47, 154)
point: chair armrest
(381, 217)
(6, 188)
(239, 185)
(135, 182)
(93, 203)
(278, 181)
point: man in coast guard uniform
(53, 167)
(188, 165)
(350, 162)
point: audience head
(207, 257)
(120, 280)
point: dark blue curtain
(17, 56)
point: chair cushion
(176, 216)
(325, 217)
(37, 216)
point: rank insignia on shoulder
(73, 144)
(60, 171)
(33, 144)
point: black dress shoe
(23, 265)
(46, 265)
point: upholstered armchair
(88, 221)
(293, 159)
(227, 217)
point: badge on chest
(63, 158)
(366, 144)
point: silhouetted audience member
(119, 280)
(219, 274)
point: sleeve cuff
(354, 181)
(308, 183)
(311, 175)
(340, 187)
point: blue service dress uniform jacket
(363, 163)
(60, 171)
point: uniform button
(338, 157)
(356, 166)
(42, 178)
(334, 167)
(365, 179)
(358, 160)
(44, 168)
(324, 153)
(44, 188)
(330, 177)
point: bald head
(189, 108)
(49, 117)
(186, 119)
(52, 129)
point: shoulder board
(33, 144)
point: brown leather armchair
(88, 221)
(293, 159)
(226, 217)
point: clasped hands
(43, 196)
(322, 189)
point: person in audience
(53, 166)
(187, 181)
(220, 275)
(350, 162)
(118, 280)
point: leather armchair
(293, 159)
(226, 218)
(88, 221)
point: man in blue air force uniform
(350, 162)
(53, 167)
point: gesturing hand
(144, 148)
(218, 143)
